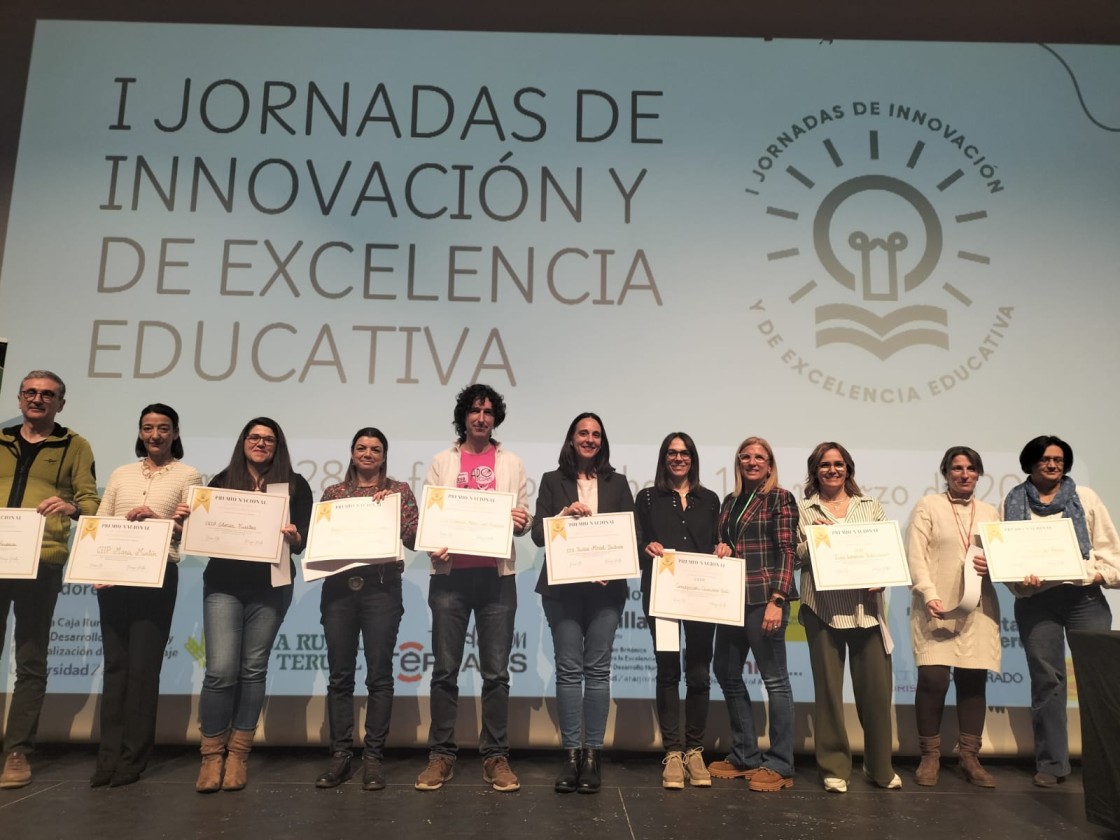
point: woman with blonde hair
(758, 522)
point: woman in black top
(678, 513)
(242, 611)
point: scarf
(1024, 498)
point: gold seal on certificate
(591, 548)
(475, 522)
(857, 555)
(235, 524)
(21, 541)
(117, 551)
(348, 533)
(1046, 548)
(699, 587)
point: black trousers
(135, 626)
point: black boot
(338, 771)
(590, 779)
(568, 780)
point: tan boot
(930, 767)
(237, 771)
(970, 762)
(213, 757)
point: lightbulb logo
(876, 269)
(879, 279)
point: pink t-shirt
(476, 472)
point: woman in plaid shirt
(759, 523)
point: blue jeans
(374, 611)
(32, 602)
(730, 655)
(240, 630)
(1043, 620)
(583, 622)
(493, 600)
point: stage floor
(282, 802)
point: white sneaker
(835, 785)
(894, 784)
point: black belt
(381, 573)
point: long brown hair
(812, 480)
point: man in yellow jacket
(47, 467)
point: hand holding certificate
(591, 548)
(235, 524)
(351, 532)
(475, 522)
(857, 555)
(1043, 548)
(21, 541)
(115, 550)
(699, 587)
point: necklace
(150, 470)
(965, 535)
(837, 504)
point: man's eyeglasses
(267, 440)
(31, 393)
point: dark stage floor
(281, 801)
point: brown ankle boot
(970, 763)
(930, 767)
(213, 751)
(237, 771)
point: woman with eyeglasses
(845, 623)
(679, 514)
(242, 611)
(136, 620)
(943, 528)
(365, 603)
(1046, 610)
(583, 617)
(758, 522)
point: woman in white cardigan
(943, 527)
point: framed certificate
(591, 548)
(235, 524)
(857, 555)
(21, 542)
(475, 522)
(699, 587)
(114, 550)
(355, 529)
(1046, 548)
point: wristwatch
(778, 600)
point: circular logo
(881, 285)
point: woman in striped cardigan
(840, 623)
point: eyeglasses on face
(32, 393)
(747, 458)
(1057, 462)
(267, 440)
(678, 455)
